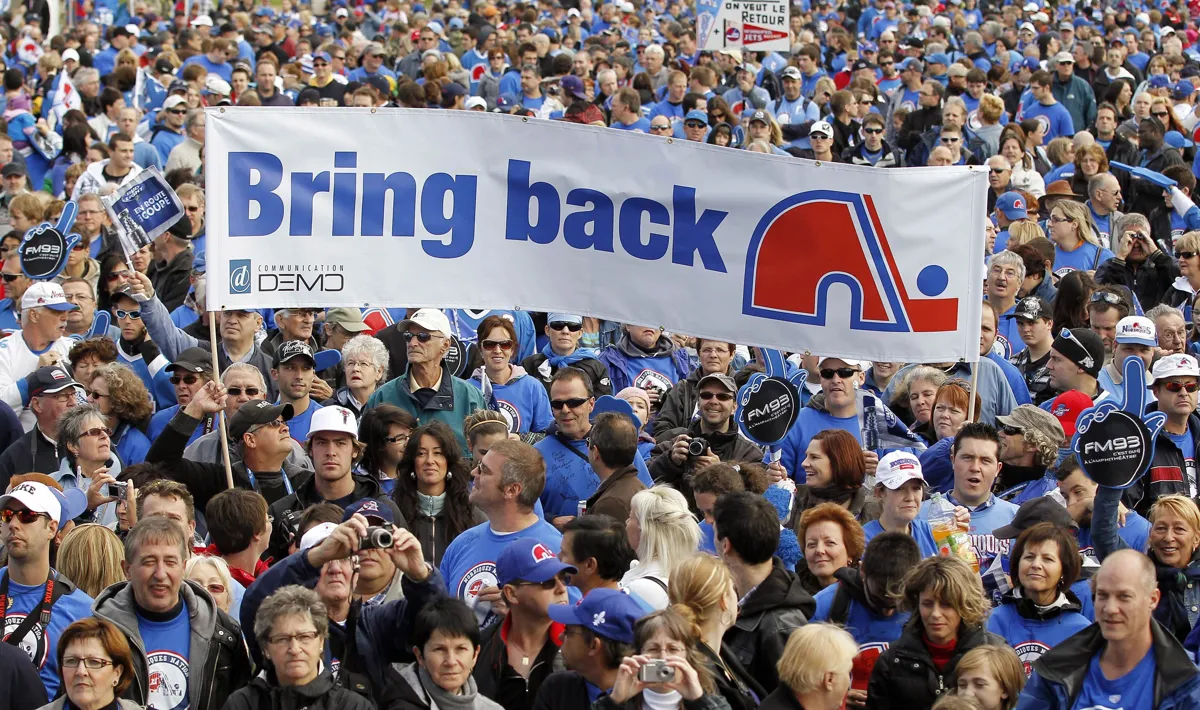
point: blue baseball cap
(1032, 64)
(1012, 206)
(563, 318)
(529, 560)
(911, 63)
(1160, 81)
(456, 23)
(506, 102)
(938, 58)
(1176, 140)
(867, 47)
(73, 503)
(1183, 89)
(322, 56)
(696, 115)
(371, 508)
(609, 613)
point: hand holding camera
(637, 673)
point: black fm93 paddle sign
(767, 408)
(45, 248)
(1115, 442)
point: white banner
(460, 209)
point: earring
(449, 475)
(413, 475)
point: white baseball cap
(172, 101)
(1137, 330)
(821, 127)
(70, 54)
(475, 102)
(45, 294)
(316, 535)
(858, 364)
(430, 319)
(897, 468)
(333, 418)
(202, 21)
(1181, 365)
(36, 497)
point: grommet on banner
(524, 119)
(670, 140)
(374, 110)
(222, 109)
(818, 163)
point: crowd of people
(449, 508)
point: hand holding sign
(45, 248)
(1115, 444)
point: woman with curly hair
(123, 399)
(433, 489)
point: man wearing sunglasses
(137, 352)
(564, 331)
(1175, 382)
(1030, 439)
(29, 521)
(41, 341)
(673, 462)
(187, 375)
(169, 131)
(873, 150)
(1076, 359)
(427, 389)
(681, 406)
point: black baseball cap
(197, 360)
(1032, 308)
(51, 379)
(13, 169)
(1042, 509)
(293, 349)
(258, 411)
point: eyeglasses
(660, 128)
(694, 124)
(547, 585)
(189, 379)
(135, 315)
(96, 431)
(873, 131)
(1058, 219)
(26, 516)
(215, 588)
(720, 396)
(1176, 386)
(999, 171)
(177, 112)
(118, 275)
(1010, 430)
(397, 439)
(93, 395)
(422, 337)
(79, 247)
(92, 664)
(73, 297)
(504, 345)
(573, 403)
(843, 372)
(1106, 296)
(269, 425)
(1159, 114)
(306, 637)
(237, 391)
(563, 325)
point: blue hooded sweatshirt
(872, 631)
(1030, 630)
(522, 400)
(630, 366)
(569, 476)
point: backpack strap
(839, 610)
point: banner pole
(974, 389)
(212, 341)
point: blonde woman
(212, 573)
(91, 556)
(814, 670)
(663, 532)
(1022, 232)
(1076, 244)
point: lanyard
(287, 482)
(46, 604)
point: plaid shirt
(1037, 377)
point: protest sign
(842, 260)
(759, 26)
(45, 248)
(143, 210)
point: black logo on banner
(767, 408)
(1115, 442)
(456, 357)
(45, 248)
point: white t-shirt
(16, 362)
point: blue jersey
(131, 444)
(1135, 532)
(168, 650)
(105, 61)
(1030, 638)
(42, 647)
(1086, 257)
(1132, 691)
(222, 70)
(469, 563)
(162, 418)
(569, 476)
(1016, 381)
(153, 374)
(523, 402)
(808, 424)
(873, 633)
(808, 84)
(298, 424)
(361, 75)
(1055, 119)
(919, 529)
(986, 517)
(795, 112)
(668, 109)
(1007, 335)
(642, 125)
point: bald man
(1124, 661)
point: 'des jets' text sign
(463, 209)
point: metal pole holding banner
(212, 341)
(974, 389)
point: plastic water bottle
(950, 539)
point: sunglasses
(396, 439)
(1107, 296)
(694, 124)
(237, 391)
(9, 278)
(96, 395)
(1177, 386)
(177, 111)
(1187, 254)
(951, 139)
(1010, 431)
(422, 337)
(96, 431)
(1159, 114)
(136, 315)
(720, 396)
(561, 325)
(660, 128)
(114, 276)
(547, 585)
(27, 517)
(504, 345)
(873, 131)
(843, 372)
(79, 247)
(269, 425)
(573, 403)
(186, 379)
(999, 171)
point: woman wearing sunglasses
(120, 395)
(522, 399)
(90, 463)
(564, 331)
(96, 664)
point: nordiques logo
(239, 276)
(843, 242)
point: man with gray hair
(1104, 200)
(1125, 659)
(1139, 264)
(188, 653)
(1006, 273)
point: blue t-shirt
(43, 651)
(1132, 691)
(809, 423)
(299, 424)
(1187, 446)
(168, 644)
(1082, 259)
(523, 402)
(642, 125)
(1055, 118)
(223, 70)
(918, 528)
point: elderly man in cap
(563, 332)
(1073, 92)
(1035, 326)
(30, 517)
(41, 341)
(190, 371)
(50, 392)
(598, 635)
(427, 390)
(371, 64)
(1135, 336)
(1030, 439)
(518, 654)
(342, 324)
(1076, 359)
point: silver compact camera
(378, 538)
(656, 671)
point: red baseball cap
(1067, 407)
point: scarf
(832, 494)
(560, 361)
(662, 701)
(240, 576)
(463, 700)
(430, 506)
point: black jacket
(498, 681)
(1149, 282)
(595, 370)
(679, 404)
(1120, 150)
(32, 452)
(856, 155)
(781, 699)
(734, 683)
(434, 533)
(321, 694)
(730, 447)
(564, 689)
(770, 614)
(1146, 195)
(20, 686)
(905, 676)
(916, 124)
(289, 507)
(170, 280)
(1168, 470)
